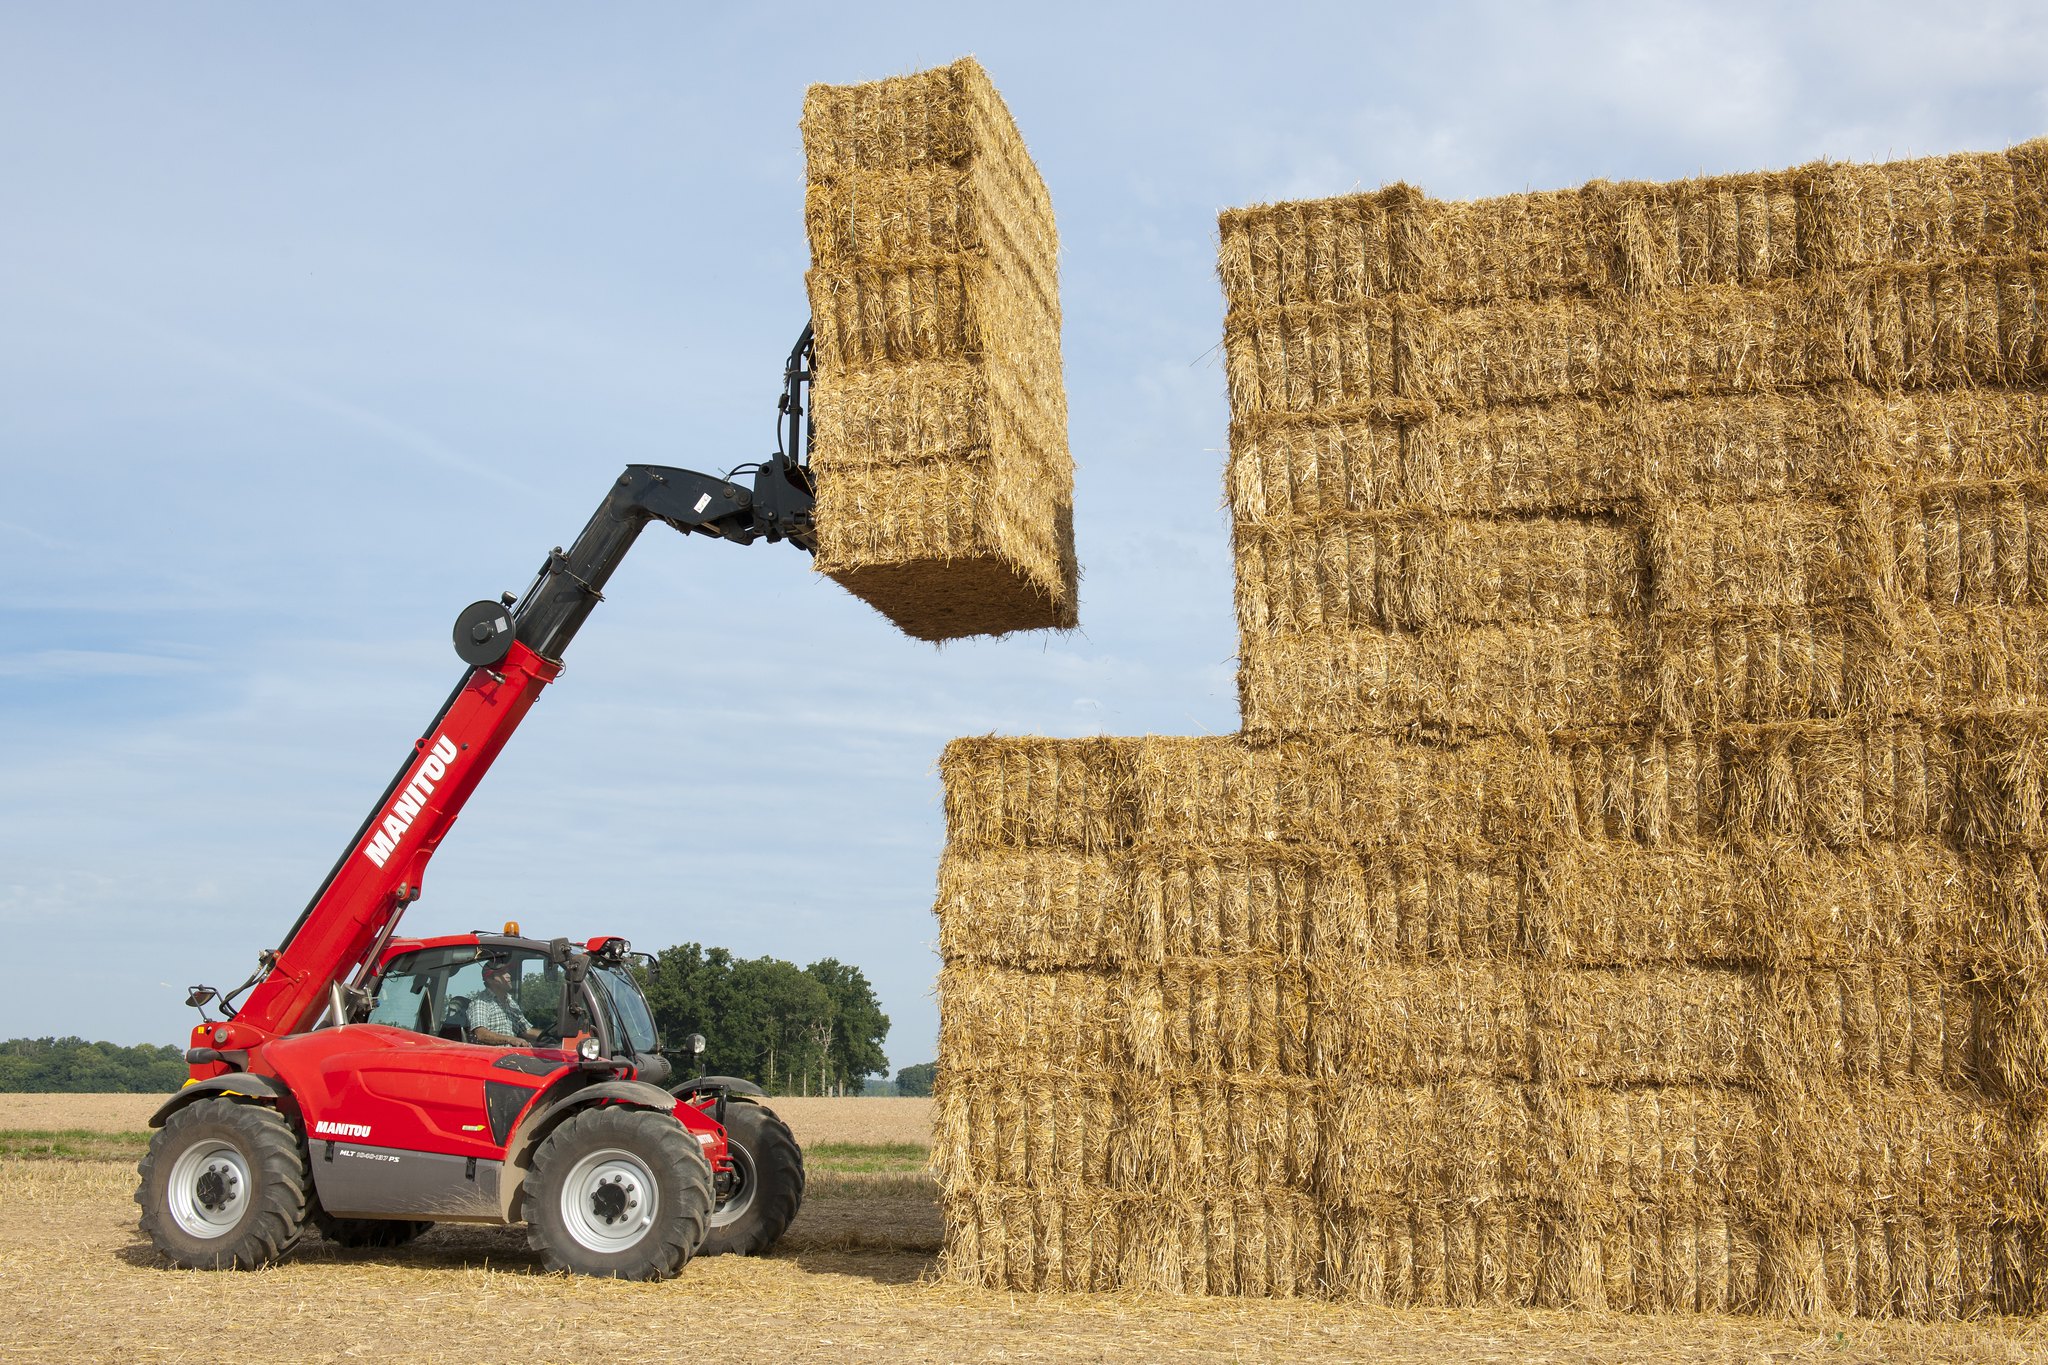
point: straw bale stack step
(1627, 890)
(945, 486)
(1637, 238)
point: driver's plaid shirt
(508, 1018)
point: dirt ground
(855, 1279)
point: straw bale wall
(1627, 890)
(945, 488)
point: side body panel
(401, 1124)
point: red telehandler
(371, 1086)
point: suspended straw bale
(945, 489)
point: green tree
(858, 1027)
(917, 1080)
(787, 1029)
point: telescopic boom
(513, 648)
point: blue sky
(317, 324)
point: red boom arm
(383, 873)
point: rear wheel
(619, 1192)
(768, 1182)
(223, 1186)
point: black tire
(769, 1168)
(223, 1186)
(618, 1192)
(370, 1233)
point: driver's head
(497, 976)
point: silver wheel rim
(609, 1201)
(209, 1189)
(743, 1185)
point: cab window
(430, 991)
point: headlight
(587, 1049)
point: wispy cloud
(223, 360)
(93, 663)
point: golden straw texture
(1627, 889)
(945, 489)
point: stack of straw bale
(1627, 890)
(945, 490)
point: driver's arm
(493, 1038)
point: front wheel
(223, 1186)
(619, 1192)
(768, 1182)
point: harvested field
(95, 1113)
(98, 1294)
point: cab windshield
(628, 1008)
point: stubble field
(855, 1278)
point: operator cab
(552, 996)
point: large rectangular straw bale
(1680, 1146)
(1860, 660)
(1400, 1252)
(1839, 1148)
(1591, 903)
(1875, 1023)
(1634, 238)
(1903, 1263)
(945, 488)
(1034, 1238)
(1782, 903)
(1415, 570)
(1508, 678)
(1026, 1120)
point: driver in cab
(495, 1019)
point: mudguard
(546, 1112)
(234, 1083)
(731, 1085)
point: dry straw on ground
(945, 488)
(100, 1294)
(1627, 891)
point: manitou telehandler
(372, 1086)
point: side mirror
(695, 1043)
(199, 997)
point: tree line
(815, 1030)
(51, 1065)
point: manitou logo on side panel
(325, 1129)
(406, 808)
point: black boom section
(571, 583)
